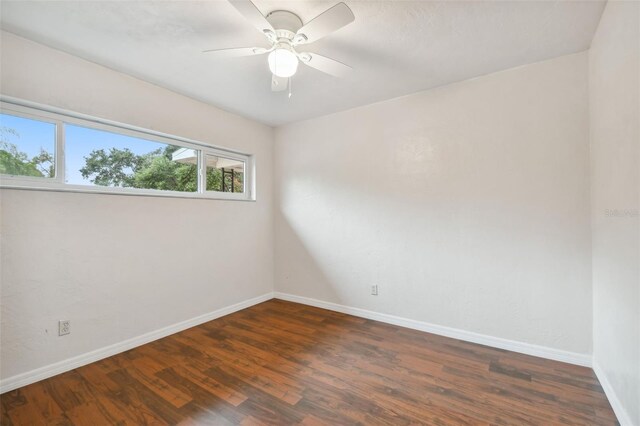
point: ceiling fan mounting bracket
(285, 23)
(304, 57)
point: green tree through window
(154, 170)
(15, 162)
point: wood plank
(284, 363)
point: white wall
(614, 77)
(468, 205)
(120, 266)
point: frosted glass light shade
(283, 63)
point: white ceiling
(395, 47)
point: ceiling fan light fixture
(285, 31)
(283, 62)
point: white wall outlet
(64, 327)
(374, 290)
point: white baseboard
(468, 336)
(623, 417)
(45, 372)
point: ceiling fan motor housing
(285, 23)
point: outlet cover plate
(64, 327)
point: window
(45, 149)
(27, 147)
(96, 157)
(225, 174)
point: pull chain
(289, 87)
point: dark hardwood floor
(284, 363)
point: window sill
(17, 184)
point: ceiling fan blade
(324, 64)
(254, 16)
(327, 22)
(278, 84)
(236, 52)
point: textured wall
(121, 266)
(614, 83)
(468, 205)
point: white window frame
(59, 117)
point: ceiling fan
(285, 32)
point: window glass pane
(27, 147)
(224, 174)
(97, 157)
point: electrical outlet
(64, 327)
(374, 290)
